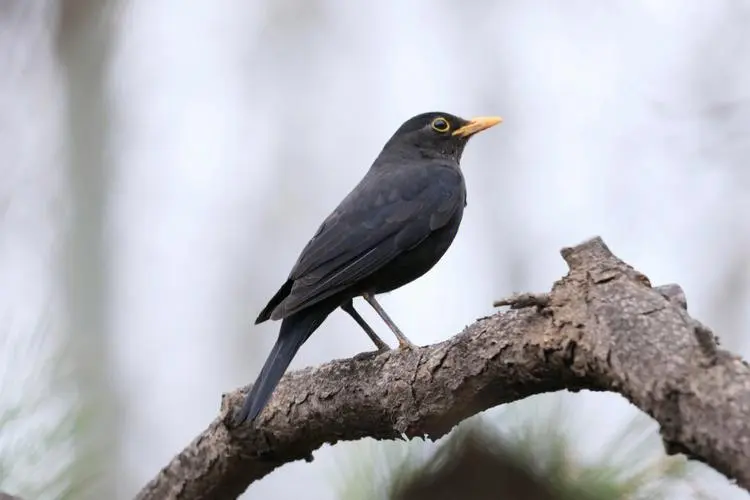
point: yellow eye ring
(440, 125)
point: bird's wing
(389, 212)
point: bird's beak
(477, 125)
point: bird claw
(381, 346)
(406, 346)
(364, 356)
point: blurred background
(164, 162)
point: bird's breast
(415, 262)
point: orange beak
(477, 125)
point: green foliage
(540, 435)
(39, 418)
(631, 465)
(378, 462)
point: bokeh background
(164, 161)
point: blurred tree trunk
(83, 42)
(718, 91)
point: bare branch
(602, 327)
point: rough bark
(602, 327)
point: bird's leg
(403, 342)
(349, 308)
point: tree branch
(602, 327)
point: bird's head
(436, 135)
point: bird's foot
(366, 355)
(405, 344)
(381, 346)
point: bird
(391, 229)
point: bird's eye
(440, 125)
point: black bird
(392, 228)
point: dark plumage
(392, 228)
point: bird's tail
(294, 331)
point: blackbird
(390, 229)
